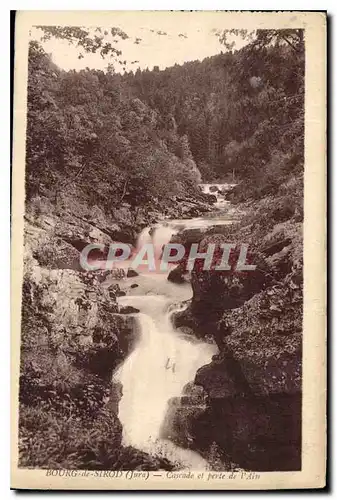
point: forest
(231, 117)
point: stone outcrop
(188, 236)
(72, 340)
(178, 275)
(253, 386)
(181, 414)
(131, 273)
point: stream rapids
(163, 360)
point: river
(164, 360)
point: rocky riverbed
(74, 336)
(242, 409)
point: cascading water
(219, 190)
(158, 369)
(164, 360)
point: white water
(222, 187)
(221, 203)
(164, 360)
(160, 366)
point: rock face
(211, 198)
(182, 411)
(254, 384)
(254, 387)
(58, 231)
(215, 291)
(73, 339)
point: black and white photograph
(161, 327)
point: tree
(87, 138)
(98, 41)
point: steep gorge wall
(73, 338)
(252, 388)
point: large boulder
(131, 273)
(188, 236)
(265, 338)
(210, 198)
(56, 238)
(181, 413)
(128, 234)
(215, 291)
(177, 275)
(256, 433)
(72, 313)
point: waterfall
(206, 188)
(219, 192)
(159, 235)
(160, 366)
(162, 362)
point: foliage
(242, 111)
(235, 116)
(53, 440)
(84, 40)
(86, 139)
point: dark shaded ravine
(164, 360)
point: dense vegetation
(107, 141)
(83, 134)
(232, 116)
(242, 112)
